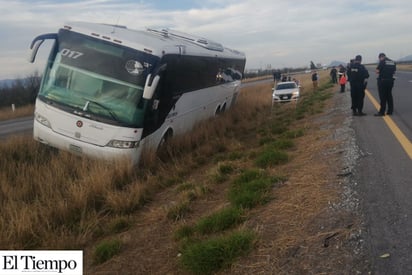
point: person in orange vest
(342, 82)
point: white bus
(108, 91)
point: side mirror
(151, 82)
(34, 49)
(36, 43)
(150, 86)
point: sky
(272, 33)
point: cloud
(276, 32)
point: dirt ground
(311, 225)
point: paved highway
(402, 98)
(384, 178)
(16, 126)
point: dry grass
(53, 199)
(56, 200)
(7, 113)
(404, 67)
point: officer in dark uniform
(385, 70)
(348, 76)
(333, 74)
(358, 76)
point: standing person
(315, 80)
(348, 81)
(385, 70)
(342, 82)
(358, 81)
(277, 75)
(348, 69)
(333, 74)
(296, 81)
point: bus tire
(165, 140)
(223, 108)
(217, 112)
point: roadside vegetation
(18, 97)
(206, 185)
(19, 111)
(405, 67)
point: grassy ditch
(216, 240)
(54, 200)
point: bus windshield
(97, 79)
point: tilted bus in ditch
(108, 91)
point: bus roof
(156, 42)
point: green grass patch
(184, 232)
(223, 172)
(235, 155)
(222, 220)
(313, 103)
(250, 189)
(106, 250)
(211, 255)
(294, 133)
(266, 140)
(278, 128)
(220, 178)
(219, 221)
(225, 169)
(271, 157)
(283, 144)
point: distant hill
(406, 58)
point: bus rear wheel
(223, 108)
(164, 141)
(220, 109)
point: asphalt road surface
(16, 126)
(384, 178)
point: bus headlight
(42, 120)
(123, 144)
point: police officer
(348, 80)
(385, 70)
(358, 76)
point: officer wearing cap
(358, 76)
(385, 70)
